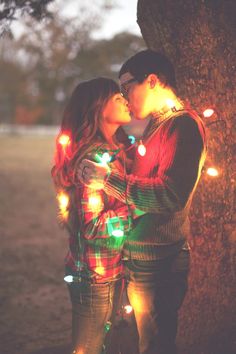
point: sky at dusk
(121, 18)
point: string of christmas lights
(94, 201)
(209, 169)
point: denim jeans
(91, 309)
(156, 290)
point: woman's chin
(127, 120)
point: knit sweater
(162, 184)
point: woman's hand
(93, 174)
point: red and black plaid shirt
(94, 250)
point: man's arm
(181, 160)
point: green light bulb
(107, 326)
(131, 138)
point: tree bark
(199, 37)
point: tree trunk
(199, 37)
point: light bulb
(118, 233)
(68, 279)
(141, 149)
(131, 138)
(95, 202)
(107, 326)
(100, 270)
(208, 112)
(105, 158)
(63, 200)
(64, 140)
(212, 171)
(170, 103)
(128, 309)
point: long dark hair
(80, 124)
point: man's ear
(152, 80)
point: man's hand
(92, 174)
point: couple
(128, 213)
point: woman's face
(116, 111)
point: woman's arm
(99, 219)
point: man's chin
(139, 117)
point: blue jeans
(92, 305)
(156, 290)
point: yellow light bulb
(95, 202)
(63, 200)
(64, 140)
(100, 270)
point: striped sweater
(162, 184)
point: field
(35, 307)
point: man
(161, 184)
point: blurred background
(41, 61)
(45, 60)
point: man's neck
(167, 105)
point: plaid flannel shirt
(94, 250)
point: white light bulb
(170, 103)
(208, 112)
(105, 158)
(128, 309)
(68, 279)
(141, 150)
(118, 233)
(212, 171)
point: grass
(35, 314)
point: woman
(97, 223)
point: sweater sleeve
(181, 159)
(98, 219)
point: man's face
(138, 95)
